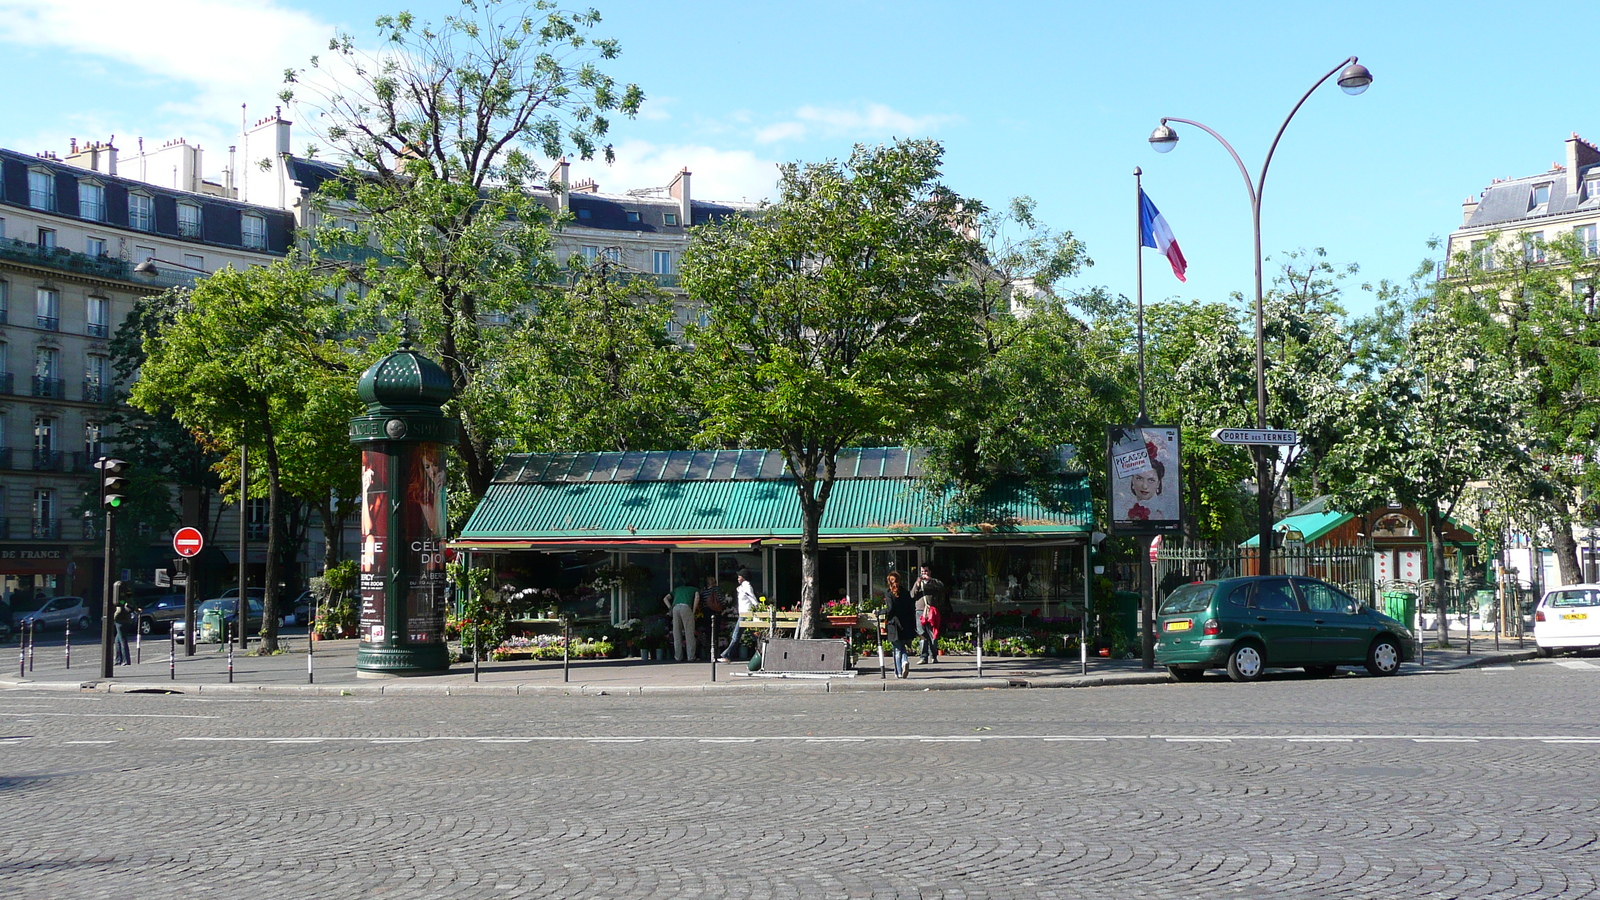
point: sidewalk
(334, 673)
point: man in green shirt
(684, 601)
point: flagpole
(1147, 646)
(1138, 255)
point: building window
(1541, 196)
(590, 254)
(5, 301)
(141, 212)
(94, 246)
(46, 366)
(188, 220)
(92, 447)
(2, 228)
(42, 189)
(44, 513)
(1533, 247)
(98, 317)
(143, 254)
(1483, 254)
(671, 218)
(47, 309)
(1587, 243)
(91, 201)
(1583, 293)
(194, 261)
(633, 215)
(47, 239)
(582, 213)
(254, 229)
(661, 262)
(96, 379)
(1591, 188)
(256, 517)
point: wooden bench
(771, 621)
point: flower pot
(844, 621)
(1106, 652)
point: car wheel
(1246, 663)
(84, 623)
(146, 626)
(1545, 652)
(1383, 657)
(1182, 673)
(1321, 671)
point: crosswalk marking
(1575, 664)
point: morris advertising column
(403, 437)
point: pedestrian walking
(900, 622)
(745, 605)
(123, 620)
(684, 602)
(929, 594)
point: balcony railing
(54, 388)
(96, 392)
(48, 460)
(101, 266)
(47, 323)
(97, 329)
(47, 529)
(79, 463)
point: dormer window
(42, 189)
(1541, 196)
(91, 201)
(141, 211)
(188, 220)
(633, 215)
(671, 218)
(1591, 188)
(253, 229)
(582, 213)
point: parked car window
(1187, 599)
(1325, 598)
(1572, 598)
(1240, 596)
(1275, 593)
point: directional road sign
(187, 542)
(1267, 436)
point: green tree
(257, 359)
(1440, 418)
(829, 317)
(597, 369)
(437, 134)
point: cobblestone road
(1476, 783)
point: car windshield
(1572, 598)
(1187, 599)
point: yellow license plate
(1180, 626)
(1574, 615)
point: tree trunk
(269, 580)
(1441, 576)
(810, 559)
(332, 533)
(1563, 543)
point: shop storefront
(606, 535)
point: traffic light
(114, 486)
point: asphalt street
(1450, 784)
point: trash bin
(1401, 606)
(211, 627)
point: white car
(1567, 618)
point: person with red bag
(929, 593)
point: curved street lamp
(1354, 79)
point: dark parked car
(159, 614)
(60, 612)
(1248, 624)
(206, 633)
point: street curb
(865, 683)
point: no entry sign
(187, 542)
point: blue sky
(1052, 100)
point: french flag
(1154, 232)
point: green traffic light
(113, 502)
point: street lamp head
(1354, 79)
(1164, 138)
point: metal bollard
(68, 644)
(311, 678)
(230, 664)
(138, 644)
(977, 640)
(172, 656)
(713, 647)
(566, 649)
(32, 627)
(22, 657)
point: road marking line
(1487, 669)
(727, 740)
(952, 740)
(1321, 740)
(1074, 739)
(88, 742)
(1199, 740)
(1444, 740)
(1576, 664)
(505, 740)
(115, 715)
(1570, 741)
(295, 741)
(836, 740)
(615, 741)
(396, 741)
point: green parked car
(1245, 625)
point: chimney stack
(679, 189)
(1580, 154)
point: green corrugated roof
(1311, 525)
(553, 505)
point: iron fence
(1347, 566)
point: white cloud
(870, 120)
(718, 174)
(202, 58)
